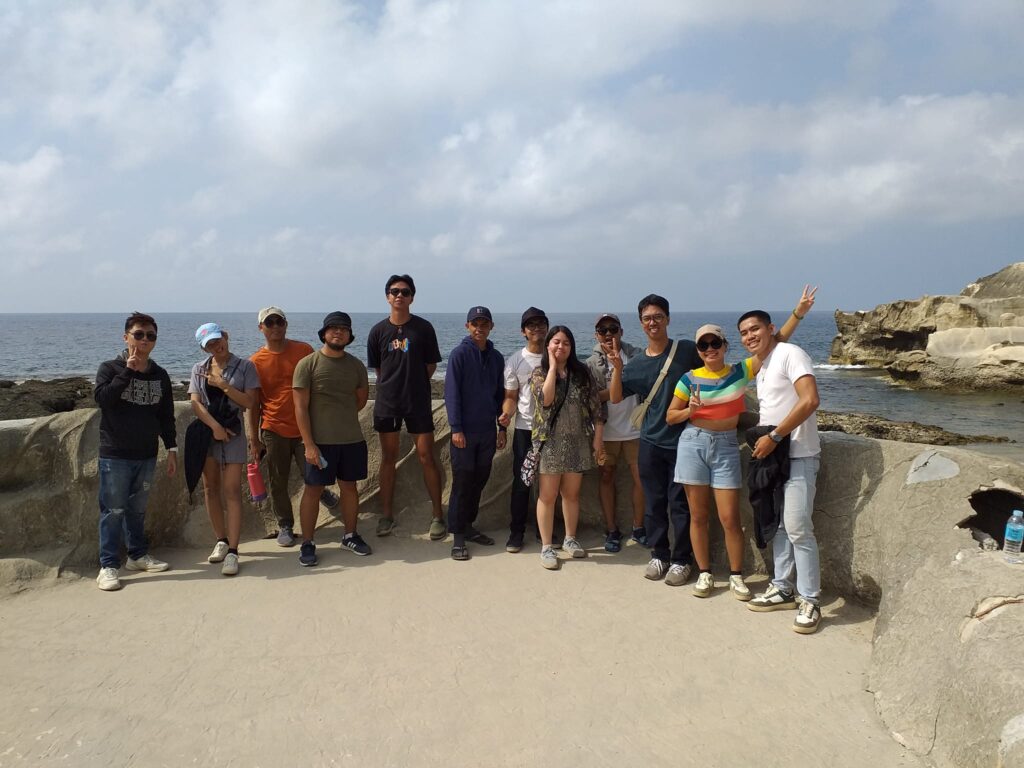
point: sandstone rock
(971, 341)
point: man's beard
(336, 347)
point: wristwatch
(775, 436)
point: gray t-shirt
(332, 383)
(240, 374)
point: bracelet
(798, 317)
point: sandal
(460, 553)
(478, 537)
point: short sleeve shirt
(401, 354)
(332, 383)
(240, 374)
(517, 378)
(639, 375)
(722, 393)
(776, 396)
(276, 370)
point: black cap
(336, 320)
(478, 312)
(533, 314)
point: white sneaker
(705, 583)
(807, 618)
(739, 589)
(108, 580)
(146, 563)
(230, 567)
(220, 551)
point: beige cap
(268, 311)
(714, 330)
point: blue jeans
(794, 545)
(124, 489)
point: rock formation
(893, 521)
(971, 341)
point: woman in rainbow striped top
(710, 399)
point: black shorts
(346, 463)
(416, 424)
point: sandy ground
(407, 658)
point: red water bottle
(257, 491)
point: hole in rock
(992, 508)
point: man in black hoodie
(136, 407)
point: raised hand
(806, 300)
(215, 376)
(695, 401)
(614, 355)
(133, 361)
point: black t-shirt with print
(401, 354)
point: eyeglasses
(404, 292)
(606, 330)
(703, 345)
(540, 326)
(273, 321)
(140, 335)
(648, 319)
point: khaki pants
(281, 452)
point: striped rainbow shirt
(721, 392)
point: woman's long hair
(577, 371)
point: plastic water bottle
(1014, 536)
(258, 492)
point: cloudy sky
(574, 154)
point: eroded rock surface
(971, 341)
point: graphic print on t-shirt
(402, 345)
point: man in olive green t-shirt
(330, 387)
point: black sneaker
(307, 554)
(640, 535)
(613, 541)
(356, 544)
(514, 543)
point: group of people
(669, 411)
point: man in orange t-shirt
(271, 424)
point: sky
(572, 154)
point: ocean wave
(833, 367)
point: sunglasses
(140, 335)
(606, 330)
(405, 292)
(704, 346)
(273, 321)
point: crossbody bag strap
(662, 375)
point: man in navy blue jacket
(474, 389)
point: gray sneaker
(285, 537)
(549, 559)
(328, 498)
(385, 526)
(438, 530)
(655, 569)
(772, 599)
(146, 563)
(678, 574)
(573, 547)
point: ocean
(49, 346)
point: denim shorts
(708, 458)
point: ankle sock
(233, 551)
(735, 573)
(224, 541)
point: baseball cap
(533, 314)
(478, 312)
(607, 316)
(268, 311)
(714, 330)
(336, 320)
(208, 332)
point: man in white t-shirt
(621, 438)
(518, 405)
(787, 394)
